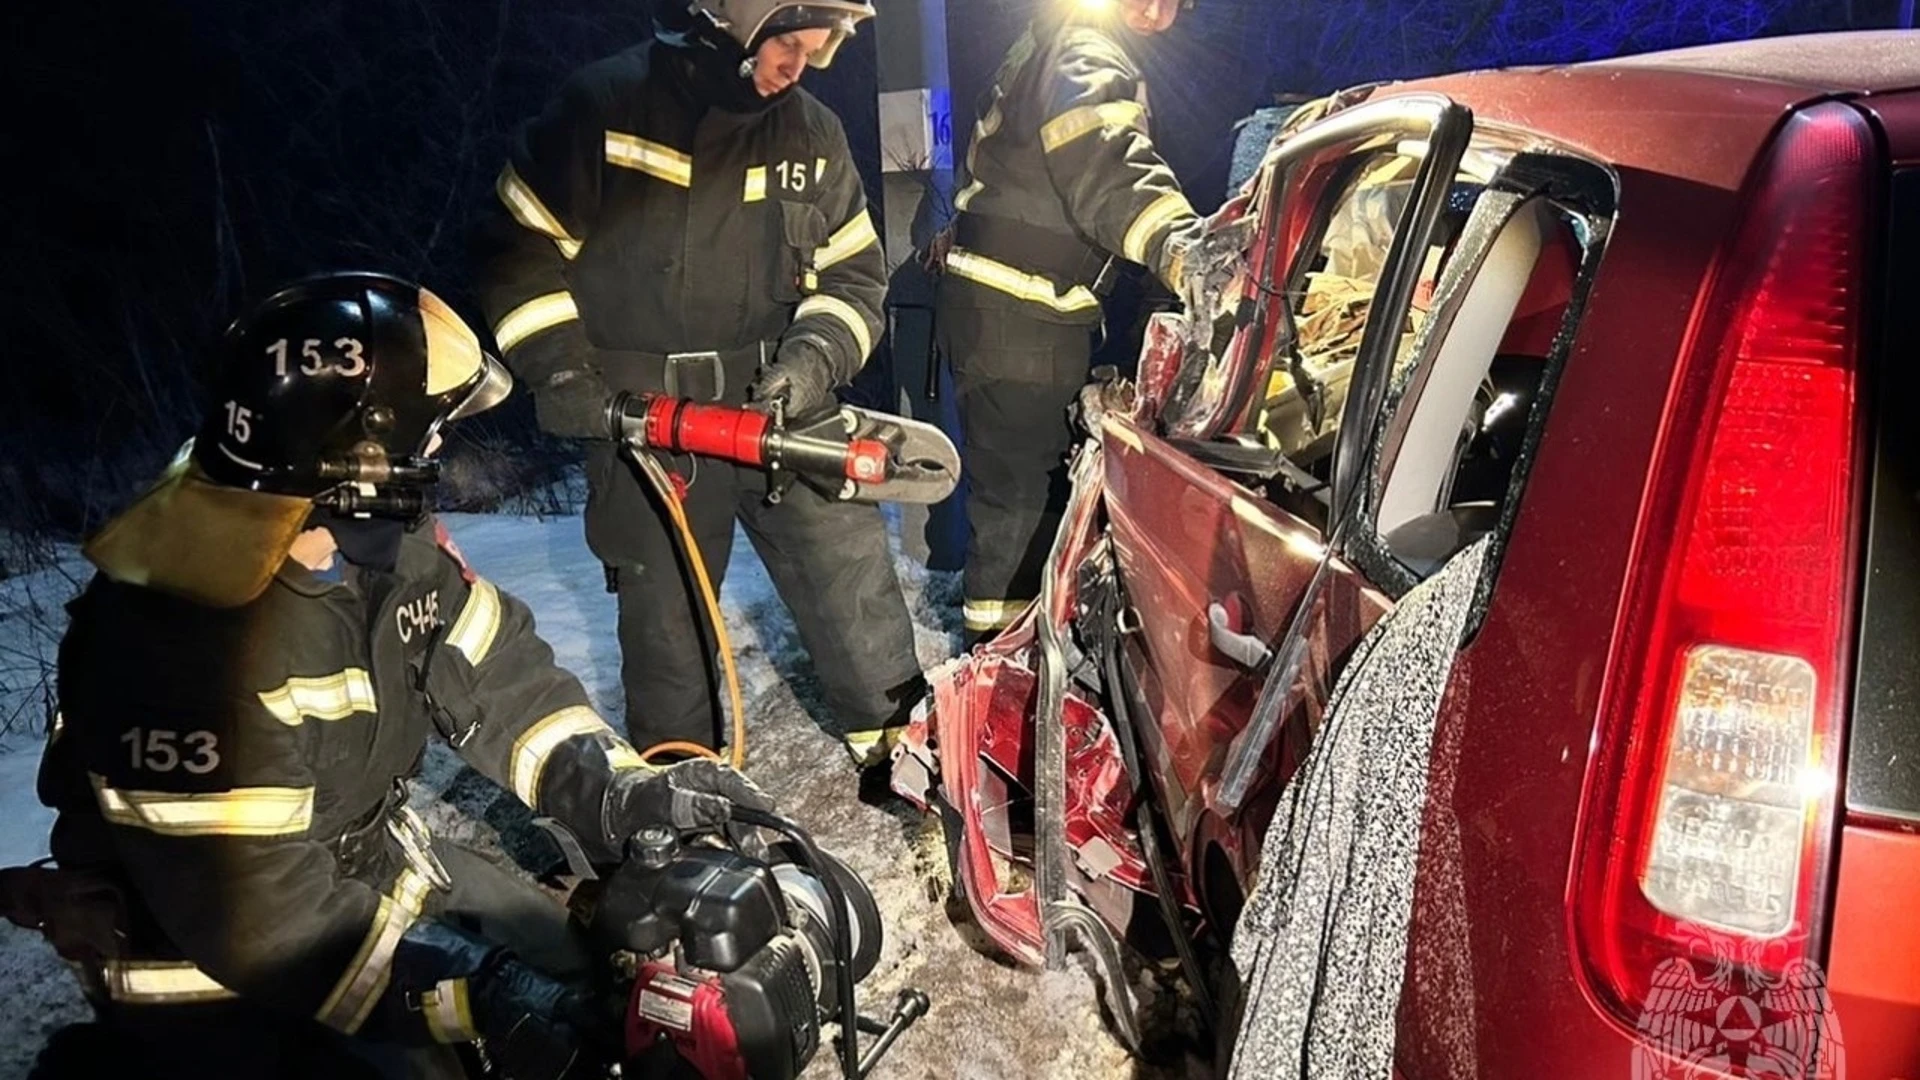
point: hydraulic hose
(690, 550)
(849, 1017)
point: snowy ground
(989, 1019)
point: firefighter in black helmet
(274, 632)
(683, 218)
(1062, 178)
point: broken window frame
(1582, 195)
(1327, 149)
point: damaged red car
(1641, 330)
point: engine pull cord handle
(909, 1006)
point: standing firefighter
(685, 220)
(1062, 179)
(274, 633)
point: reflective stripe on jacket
(218, 762)
(1062, 149)
(632, 220)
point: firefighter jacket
(240, 773)
(641, 222)
(1062, 175)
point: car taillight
(1708, 816)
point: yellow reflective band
(537, 743)
(537, 314)
(819, 169)
(366, 977)
(1074, 123)
(1018, 283)
(834, 307)
(992, 614)
(249, 811)
(323, 697)
(756, 184)
(473, 632)
(160, 982)
(644, 155)
(872, 747)
(1160, 213)
(853, 238)
(528, 210)
(988, 124)
(448, 1012)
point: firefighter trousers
(1015, 379)
(829, 561)
(236, 1039)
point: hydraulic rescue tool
(729, 964)
(848, 453)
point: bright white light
(1097, 5)
(1815, 784)
(1501, 405)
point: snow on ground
(989, 1020)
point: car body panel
(1873, 962)
(1493, 985)
(1852, 62)
(1186, 538)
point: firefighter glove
(692, 796)
(533, 1026)
(801, 377)
(573, 405)
(538, 1029)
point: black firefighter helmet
(330, 393)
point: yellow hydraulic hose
(690, 548)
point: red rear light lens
(1708, 818)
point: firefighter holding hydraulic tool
(275, 631)
(683, 220)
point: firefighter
(684, 219)
(246, 685)
(1061, 179)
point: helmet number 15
(350, 361)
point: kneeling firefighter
(684, 220)
(274, 632)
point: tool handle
(909, 1005)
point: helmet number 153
(350, 359)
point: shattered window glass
(1333, 284)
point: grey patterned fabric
(1321, 947)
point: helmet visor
(474, 379)
(840, 17)
(496, 382)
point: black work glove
(531, 1025)
(535, 1028)
(692, 796)
(800, 377)
(573, 405)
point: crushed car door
(1219, 526)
